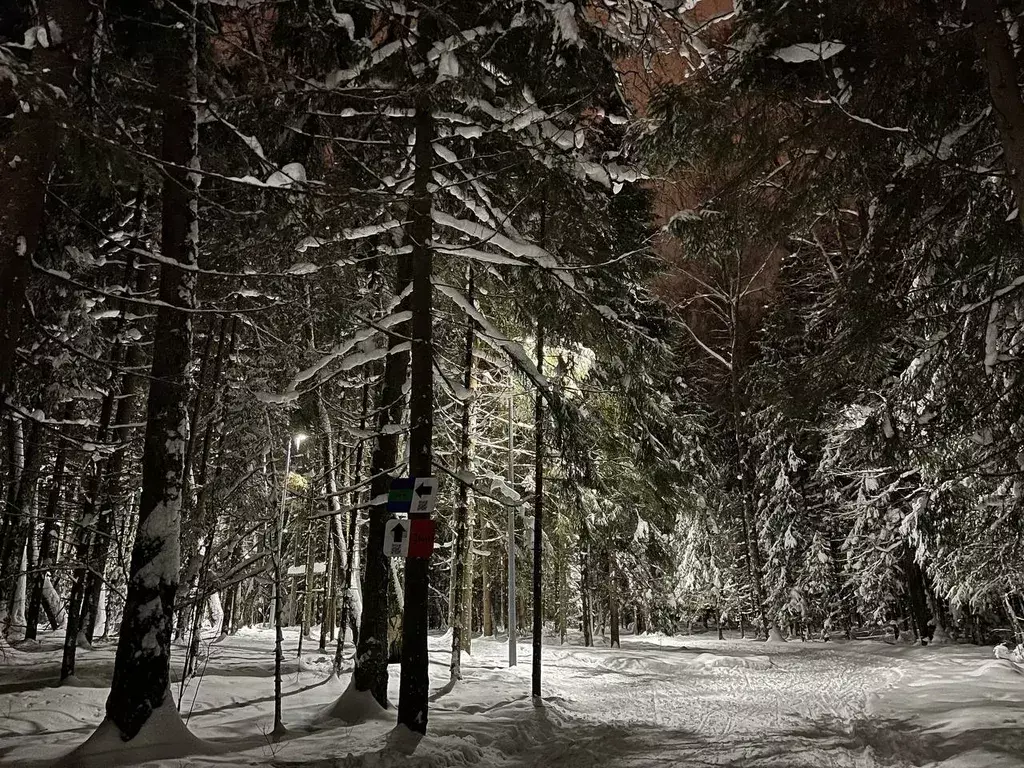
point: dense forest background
(718, 310)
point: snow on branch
(354, 233)
(342, 355)
(527, 252)
(494, 336)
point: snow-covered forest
(511, 382)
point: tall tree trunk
(486, 604)
(415, 684)
(995, 48)
(201, 523)
(112, 498)
(26, 160)
(371, 660)
(467, 590)
(46, 543)
(10, 519)
(461, 553)
(588, 613)
(142, 663)
(745, 472)
(17, 533)
(83, 539)
(330, 587)
(613, 600)
(538, 513)
(343, 543)
(307, 603)
(916, 594)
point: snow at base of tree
(163, 737)
(775, 636)
(355, 707)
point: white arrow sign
(396, 538)
(424, 496)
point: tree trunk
(83, 542)
(228, 605)
(467, 592)
(995, 49)
(415, 684)
(586, 623)
(142, 664)
(461, 553)
(538, 513)
(486, 607)
(26, 160)
(344, 542)
(916, 597)
(200, 524)
(50, 530)
(330, 587)
(10, 519)
(613, 600)
(307, 604)
(371, 660)
(112, 500)
(18, 531)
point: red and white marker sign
(409, 538)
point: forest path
(733, 703)
(658, 702)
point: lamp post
(279, 729)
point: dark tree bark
(995, 49)
(142, 663)
(538, 516)
(755, 570)
(20, 515)
(613, 601)
(486, 602)
(330, 586)
(462, 533)
(84, 536)
(342, 544)
(371, 668)
(46, 543)
(916, 596)
(587, 622)
(26, 161)
(415, 684)
(112, 499)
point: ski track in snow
(686, 701)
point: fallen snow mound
(713, 660)
(1004, 668)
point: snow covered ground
(657, 702)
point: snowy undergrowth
(682, 701)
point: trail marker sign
(412, 495)
(396, 538)
(421, 538)
(409, 538)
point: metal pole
(278, 631)
(511, 529)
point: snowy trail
(683, 702)
(720, 704)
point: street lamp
(279, 729)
